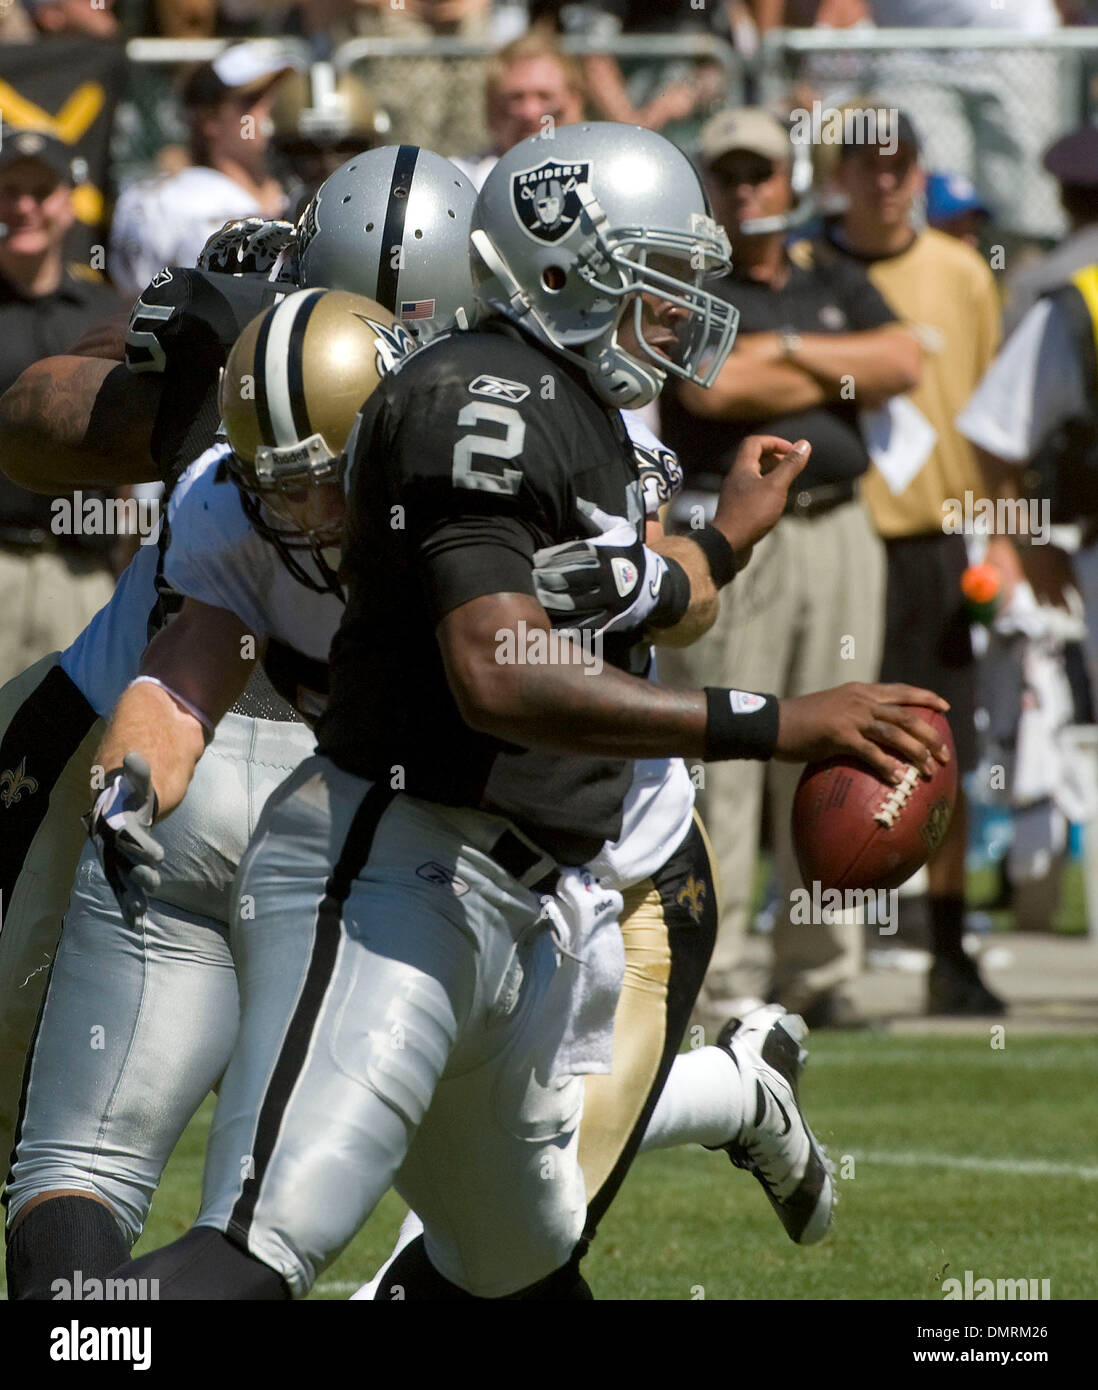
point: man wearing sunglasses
(816, 346)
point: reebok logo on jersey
(625, 574)
(440, 875)
(499, 388)
(161, 278)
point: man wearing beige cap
(167, 220)
(814, 349)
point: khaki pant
(48, 600)
(807, 613)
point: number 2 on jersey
(466, 473)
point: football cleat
(774, 1142)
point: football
(852, 830)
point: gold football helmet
(294, 384)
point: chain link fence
(433, 93)
(985, 105)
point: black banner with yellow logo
(70, 87)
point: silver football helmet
(393, 224)
(569, 233)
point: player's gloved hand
(609, 583)
(246, 246)
(118, 825)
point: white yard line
(1013, 1056)
(1023, 1167)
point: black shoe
(954, 988)
(833, 1010)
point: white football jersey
(106, 656)
(216, 556)
(167, 220)
(659, 805)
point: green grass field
(958, 1156)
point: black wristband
(739, 724)
(719, 555)
(674, 597)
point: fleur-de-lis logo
(15, 784)
(692, 896)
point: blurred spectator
(1073, 162)
(816, 344)
(661, 95)
(531, 87)
(986, 114)
(954, 206)
(185, 19)
(69, 18)
(167, 220)
(1031, 16)
(431, 101)
(52, 583)
(15, 24)
(1035, 417)
(320, 121)
(946, 292)
(805, 14)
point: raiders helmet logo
(308, 224)
(545, 198)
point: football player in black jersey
(396, 971)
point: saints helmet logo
(15, 783)
(692, 897)
(545, 198)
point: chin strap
(610, 366)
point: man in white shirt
(1036, 387)
(1030, 16)
(167, 220)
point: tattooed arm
(75, 421)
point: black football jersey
(479, 450)
(217, 308)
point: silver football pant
(399, 988)
(139, 1025)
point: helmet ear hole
(553, 278)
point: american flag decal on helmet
(417, 308)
